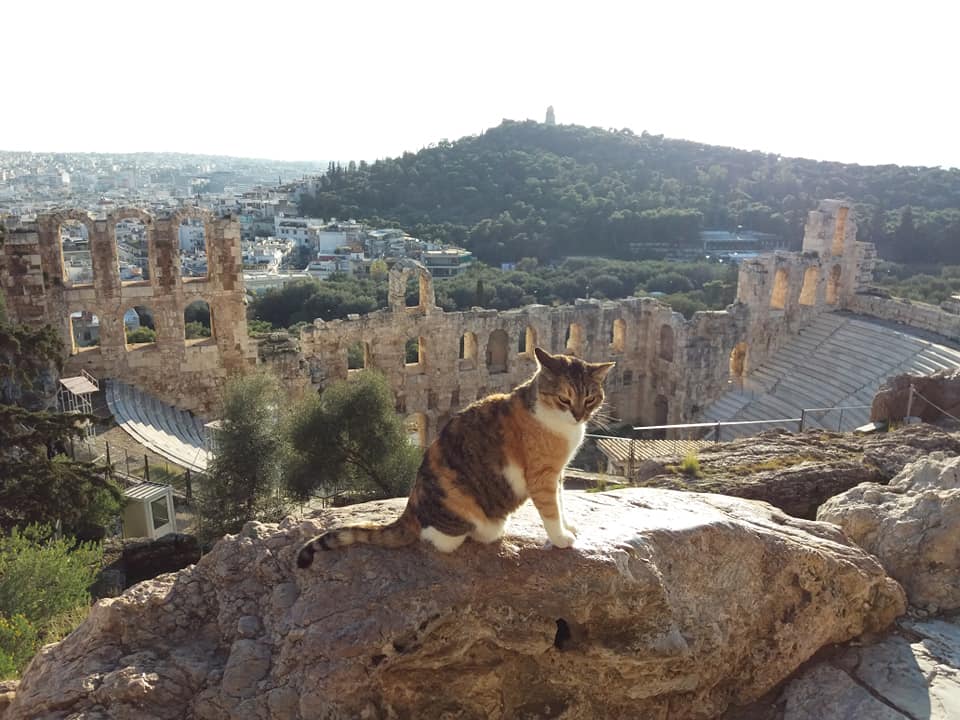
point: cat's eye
(564, 401)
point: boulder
(939, 391)
(912, 525)
(798, 472)
(670, 605)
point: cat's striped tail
(405, 530)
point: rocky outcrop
(913, 527)
(671, 605)
(132, 560)
(798, 472)
(941, 389)
(911, 674)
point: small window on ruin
(193, 249)
(84, 331)
(618, 336)
(808, 294)
(76, 255)
(411, 295)
(839, 231)
(416, 427)
(414, 351)
(666, 343)
(738, 360)
(468, 351)
(132, 250)
(778, 298)
(497, 352)
(527, 341)
(573, 342)
(140, 327)
(833, 285)
(357, 356)
(198, 322)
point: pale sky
(867, 82)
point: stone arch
(416, 427)
(140, 327)
(573, 343)
(468, 351)
(833, 285)
(84, 331)
(74, 236)
(618, 336)
(198, 322)
(527, 341)
(497, 352)
(194, 247)
(397, 292)
(839, 231)
(359, 356)
(666, 342)
(808, 293)
(131, 230)
(738, 360)
(781, 287)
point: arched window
(75, 253)
(618, 336)
(415, 353)
(666, 343)
(140, 327)
(84, 331)
(573, 343)
(738, 360)
(778, 298)
(468, 351)
(192, 236)
(833, 285)
(358, 356)
(839, 231)
(808, 294)
(198, 322)
(527, 341)
(497, 352)
(132, 250)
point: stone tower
(551, 118)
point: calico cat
(491, 457)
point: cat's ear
(547, 360)
(600, 370)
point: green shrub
(690, 466)
(141, 335)
(193, 330)
(43, 577)
(19, 640)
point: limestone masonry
(668, 368)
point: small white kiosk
(149, 511)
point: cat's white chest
(562, 424)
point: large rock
(912, 525)
(797, 472)
(941, 389)
(671, 605)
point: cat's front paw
(570, 527)
(563, 540)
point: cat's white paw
(563, 540)
(570, 527)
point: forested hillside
(526, 189)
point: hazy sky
(867, 82)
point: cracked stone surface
(671, 605)
(912, 674)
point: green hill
(526, 189)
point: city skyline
(376, 80)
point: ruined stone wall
(667, 368)
(186, 373)
(908, 312)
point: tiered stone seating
(171, 433)
(839, 360)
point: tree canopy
(528, 189)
